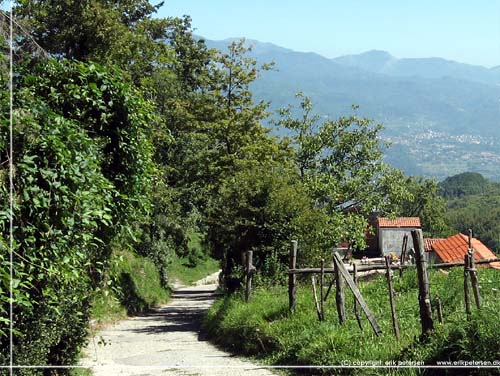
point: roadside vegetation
(132, 285)
(265, 328)
(133, 282)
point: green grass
(187, 271)
(133, 286)
(80, 372)
(133, 283)
(265, 328)
(181, 269)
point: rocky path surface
(165, 341)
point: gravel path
(166, 341)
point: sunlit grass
(264, 327)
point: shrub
(82, 160)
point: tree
(83, 163)
(465, 184)
(120, 33)
(340, 163)
(423, 200)
(478, 212)
(261, 209)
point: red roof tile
(428, 242)
(454, 248)
(413, 222)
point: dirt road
(165, 342)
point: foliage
(61, 202)
(109, 32)
(82, 157)
(262, 210)
(340, 164)
(265, 328)
(114, 114)
(465, 184)
(132, 285)
(477, 211)
(423, 201)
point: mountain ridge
(433, 122)
(381, 61)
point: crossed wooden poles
(341, 275)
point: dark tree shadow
(130, 299)
(182, 318)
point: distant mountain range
(429, 106)
(383, 62)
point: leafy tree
(478, 212)
(118, 33)
(261, 209)
(424, 201)
(83, 160)
(340, 163)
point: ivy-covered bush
(115, 116)
(82, 157)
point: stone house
(389, 234)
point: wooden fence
(342, 278)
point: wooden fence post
(316, 304)
(339, 294)
(424, 299)
(403, 254)
(292, 279)
(466, 286)
(473, 278)
(388, 275)
(249, 273)
(321, 291)
(329, 288)
(357, 294)
(473, 272)
(356, 312)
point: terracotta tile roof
(454, 248)
(413, 222)
(428, 242)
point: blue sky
(463, 30)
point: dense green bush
(82, 157)
(61, 202)
(262, 211)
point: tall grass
(133, 285)
(265, 328)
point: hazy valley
(441, 117)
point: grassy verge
(133, 286)
(265, 328)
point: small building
(454, 248)
(390, 233)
